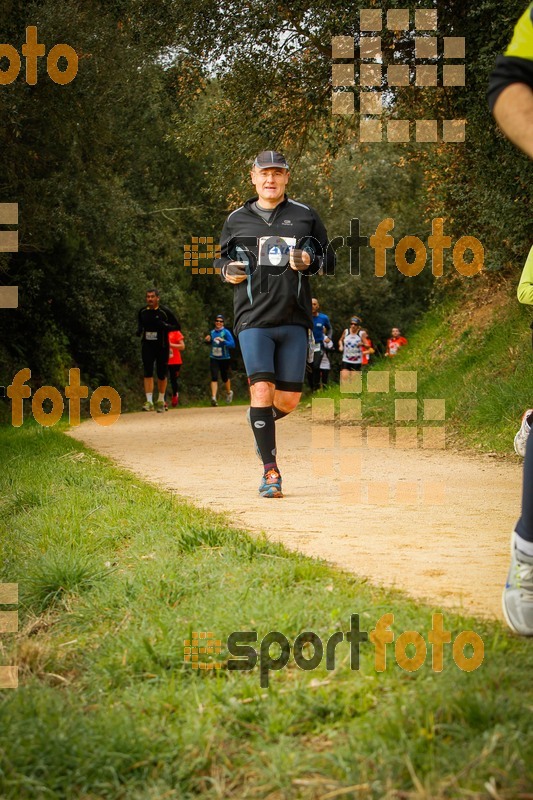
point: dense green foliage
(92, 167)
(149, 145)
(114, 575)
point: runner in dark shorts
(321, 334)
(351, 346)
(221, 342)
(154, 322)
(270, 247)
(219, 368)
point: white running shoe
(229, 397)
(517, 598)
(520, 440)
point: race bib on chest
(275, 250)
(151, 336)
(217, 352)
(352, 349)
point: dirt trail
(453, 553)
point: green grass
(482, 367)
(115, 575)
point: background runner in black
(154, 322)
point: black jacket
(274, 293)
(154, 325)
(516, 65)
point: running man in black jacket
(270, 247)
(154, 322)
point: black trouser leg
(174, 371)
(315, 374)
(524, 526)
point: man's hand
(299, 260)
(235, 272)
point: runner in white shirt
(351, 346)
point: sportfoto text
(18, 390)
(380, 242)
(33, 50)
(246, 656)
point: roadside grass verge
(477, 357)
(114, 575)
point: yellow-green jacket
(525, 287)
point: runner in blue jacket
(221, 341)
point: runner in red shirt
(395, 342)
(176, 344)
(368, 350)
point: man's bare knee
(287, 401)
(262, 393)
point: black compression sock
(278, 414)
(264, 430)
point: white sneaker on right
(520, 440)
(517, 598)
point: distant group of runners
(163, 343)
(354, 344)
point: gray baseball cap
(270, 158)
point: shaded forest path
(451, 550)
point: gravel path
(435, 524)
